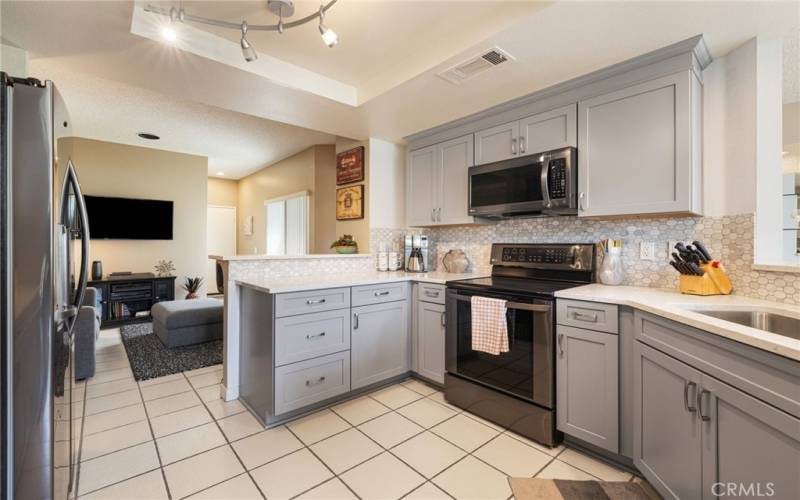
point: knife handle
(701, 249)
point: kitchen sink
(762, 320)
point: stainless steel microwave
(536, 185)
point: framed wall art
(350, 166)
(350, 203)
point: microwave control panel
(557, 178)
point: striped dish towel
(489, 327)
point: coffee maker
(416, 253)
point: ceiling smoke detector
(476, 65)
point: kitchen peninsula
(251, 278)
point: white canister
(383, 261)
(394, 261)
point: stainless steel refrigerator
(43, 260)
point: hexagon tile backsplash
(729, 239)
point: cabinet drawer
(591, 315)
(429, 292)
(307, 382)
(307, 336)
(288, 304)
(377, 294)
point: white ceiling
(390, 50)
(236, 144)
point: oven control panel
(554, 256)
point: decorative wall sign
(350, 203)
(350, 166)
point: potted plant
(192, 285)
(345, 244)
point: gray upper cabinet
(587, 386)
(667, 445)
(534, 134)
(549, 130)
(438, 183)
(380, 342)
(422, 174)
(639, 148)
(430, 341)
(496, 143)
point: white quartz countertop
(671, 304)
(302, 283)
(293, 257)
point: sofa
(86, 331)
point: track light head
(248, 52)
(328, 35)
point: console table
(128, 298)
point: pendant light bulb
(328, 35)
(248, 52)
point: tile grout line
(155, 444)
(227, 442)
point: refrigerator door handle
(71, 179)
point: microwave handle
(545, 180)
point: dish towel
(489, 327)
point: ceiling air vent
(475, 65)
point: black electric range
(515, 389)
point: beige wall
(109, 169)
(288, 176)
(223, 192)
(358, 228)
(324, 197)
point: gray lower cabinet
(640, 148)
(301, 384)
(380, 342)
(430, 330)
(587, 386)
(696, 436)
(667, 443)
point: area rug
(150, 358)
(561, 489)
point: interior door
(220, 239)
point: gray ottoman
(186, 322)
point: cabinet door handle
(443, 320)
(381, 294)
(433, 215)
(514, 146)
(355, 321)
(315, 336)
(705, 417)
(439, 215)
(581, 196)
(315, 382)
(522, 144)
(561, 344)
(585, 317)
(313, 302)
(687, 398)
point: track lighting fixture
(328, 35)
(281, 8)
(248, 52)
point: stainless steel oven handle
(518, 305)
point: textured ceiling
(235, 143)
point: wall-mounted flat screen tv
(129, 219)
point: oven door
(527, 370)
(509, 187)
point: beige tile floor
(173, 437)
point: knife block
(714, 281)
